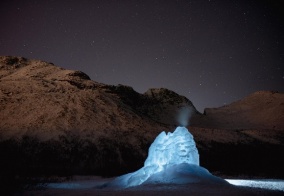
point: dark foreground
(91, 186)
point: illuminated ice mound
(173, 158)
(184, 173)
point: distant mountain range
(263, 110)
(86, 126)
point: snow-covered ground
(264, 184)
(93, 186)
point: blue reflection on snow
(69, 185)
(277, 185)
(264, 184)
(63, 185)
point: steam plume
(184, 115)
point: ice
(184, 173)
(173, 148)
(173, 158)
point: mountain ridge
(261, 110)
(60, 99)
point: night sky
(213, 52)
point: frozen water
(184, 173)
(173, 148)
(172, 158)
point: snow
(184, 173)
(264, 184)
(90, 186)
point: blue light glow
(167, 150)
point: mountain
(263, 110)
(245, 137)
(58, 121)
(90, 125)
(39, 98)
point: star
(197, 44)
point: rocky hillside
(39, 98)
(106, 129)
(263, 110)
(58, 121)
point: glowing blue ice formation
(173, 148)
(173, 158)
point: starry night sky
(213, 52)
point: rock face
(164, 109)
